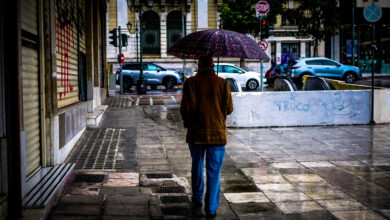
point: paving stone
(246, 197)
(84, 189)
(121, 182)
(302, 178)
(125, 217)
(270, 178)
(351, 215)
(245, 208)
(286, 165)
(277, 187)
(317, 164)
(342, 205)
(133, 191)
(263, 216)
(126, 200)
(239, 188)
(298, 207)
(323, 215)
(73, 217)
(82, 199)
(127, 210)
(132, 176)
(77, 210)
(286, 196)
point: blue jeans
(214, 160)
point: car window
(220, 68)
(328, 63)
(132, 66)
(152, 67)
(232, 69)
(314, 62)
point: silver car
(322, 67)
(154, 74)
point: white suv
(246, 79)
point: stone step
(48, 183)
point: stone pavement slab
(333, 172)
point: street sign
(262, 8)
(263, 44)
(372, 13)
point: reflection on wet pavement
(337, 172)
(343, 169)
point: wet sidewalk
(136, 165)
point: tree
(316, 18)
(240, 16)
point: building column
(188, 22)
(336, 48)
(302, 49)
(163, 34)
(90, 53)
(203, 21)
(278, 52)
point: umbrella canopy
(217, 43)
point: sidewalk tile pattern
(338, 172)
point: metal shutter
(67, 56)
(30, 80)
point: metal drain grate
(98, 149)
(89, 178)
(158, 175)
(172, 189)
(174, 199)
(181, 211)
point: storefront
(365, 54)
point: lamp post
(141, 84)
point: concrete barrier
(305, 108)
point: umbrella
(216, 43)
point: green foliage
(240, 15)
(316, 18)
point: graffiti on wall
(65, 42)
(69, 23)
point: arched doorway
(174, 27)
(151, 34)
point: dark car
(275, 72)
(154, 74)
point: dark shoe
(197, 204)
(211, 216)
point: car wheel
(302, 78)
(127, 84)
(169, 83)
(252, 84)
(350, 78)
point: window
(290, 52)
(174, 28)
(220, 68)
(288, 21)
(231, 69)
(314, 62)
(328, 63)
(133, 66)
(151, 34)
(152, 67)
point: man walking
(206, 102)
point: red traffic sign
(262, 8)
(263, 44)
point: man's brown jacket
(206, 101)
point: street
(137, 166)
